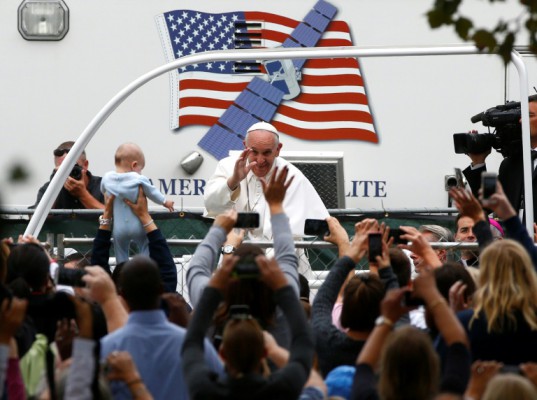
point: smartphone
(411, 301)
(375, 246)
(511, 369)
(316, 227)
(396, 234)
(247, 220)
(488, 184)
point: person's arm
(151, 192)
(456, 373)
(501, 205)
(383, 262)
(158, 248)
(100, 252)
(445, 319)
(195, 368)
(338, 236)
(205, 258)
(101, 288)
(321, 310)
(473, 172)
(284, 246)
(297, 370)
(517, 231)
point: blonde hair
(509, 386)
(507, 285)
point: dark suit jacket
(512, 179)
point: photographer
(80, 190)
(511, 169)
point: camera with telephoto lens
(76, 172)
(506, 138)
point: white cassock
(301, 202)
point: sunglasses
(61, 152)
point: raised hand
(277, 185)
(226, 220)
(467, 204)
(241, 169)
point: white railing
(42, 210)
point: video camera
(505, 139)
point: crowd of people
(418, 323)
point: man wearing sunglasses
(81, 189)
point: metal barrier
(71, 231)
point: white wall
(50, 91)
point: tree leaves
(463, 26)
(484, 39)
(500, 39)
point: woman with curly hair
(502, 325)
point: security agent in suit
(511, 169)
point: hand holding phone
(316, 227)
(247, 220)
(488, 184)
(375, 246)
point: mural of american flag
(332, 104)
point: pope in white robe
(236, 184)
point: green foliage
(498, 40)
(17, 173)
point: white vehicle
(396, 147)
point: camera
(507, 137)
(246, 268)
(70, 277)
(76, 172)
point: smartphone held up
(488, 184)
(316, 227)
(375, 246)
(247, 220)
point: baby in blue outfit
(124, 183)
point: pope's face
(264, 148)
